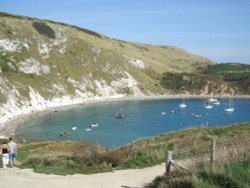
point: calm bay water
(143, 118)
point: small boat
(197, 115)
(216, 102)
(208, 106)
(172, 112)
(163, 113)
(213, 100)
(182, 105)
(94, 125)
(74, 128)
(119, 116)
(230, 107)
(88, 129)
(65, 134)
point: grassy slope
(78, 60)
(76, 157)
(228, 78)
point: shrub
(176, 180)
(44, 29)
(219, 179)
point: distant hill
(45, 64)
(228, 78)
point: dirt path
(26, 178)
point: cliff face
(45, 64)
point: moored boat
(230, 106)
(65, 134)
(119, 115)
(208, 106)
(182, 105)
(94, 125)
(197, 115)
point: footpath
(132, 178)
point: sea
(97, 123)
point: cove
(142, 118)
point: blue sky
(216, 29)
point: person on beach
(5, 154)
(12, 152)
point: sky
(216, 29)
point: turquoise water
(143, 118)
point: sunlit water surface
(143, 118)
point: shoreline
(9, 128)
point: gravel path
(133, 178)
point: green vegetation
(6, 68)
(193, 83)
(4, 14)
(230, 71)
(214, 78)
(77, 157)
(226, 176)
(70, 157)
(236, 74)
(44, 29)
(83, 57)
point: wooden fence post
(213, 154)
(168, 162)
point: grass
(44, 29)
(236, 73)
(70, 157)
(226, 176)
(80, 63)
(213, 78)
(193, 83)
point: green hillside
(45, 64)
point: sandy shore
(9, 128)
(133, 178)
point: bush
(219, 179)
(44, 29)
(176, 180)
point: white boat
(229, 109)
(212, 100)
(197, 115)
(94, 125)
(88, 129)
(163, 113)
(74, 128)
(208, 106)
(216, 102)
(230, 106)
(182, 105)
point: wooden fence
(209, 155)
